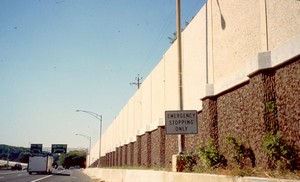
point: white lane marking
(42, 178)
(12, 172)
(1, 177)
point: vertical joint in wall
(266, 74)
(213, 112)
(210, 119)
(270, 115)
(139, 152)
(162, 146)
(148, 134)
(120, 156)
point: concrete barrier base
(123, 175)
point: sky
(59, 56)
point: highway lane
(57, 176)
(13, 175)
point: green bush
(272, 124)
(281, 153)
(187, 161)
(239, 152)
(210, 155)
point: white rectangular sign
(181, 122)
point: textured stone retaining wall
(137, 151)
(158, 148)
(239, 112)
(146, 149)
(288, 101)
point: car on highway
(16, 167)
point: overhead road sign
(181, 122)
(36, 148)
(59, 148)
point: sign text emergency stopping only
(181, 122)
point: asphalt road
(57, 176)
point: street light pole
(90, 139)
(99, 117)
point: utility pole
(178, 26)
(138, 79)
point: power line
(159, 38)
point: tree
(174, 37)
(14, 152)
(24, 157)
(73, 158)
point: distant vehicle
(71, 167)
(77, 167)
(60, 168)
(40, 164)
(16, 167)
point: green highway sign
(36, 148)
(59, 148)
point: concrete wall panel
(236, 34)
(146, 101)
(171, 79)
(125, 124)
(283, 21)
(158, 82)
(137, 111)
(194, 61)
(131, 122)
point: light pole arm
(99, 117)
(85, 136)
